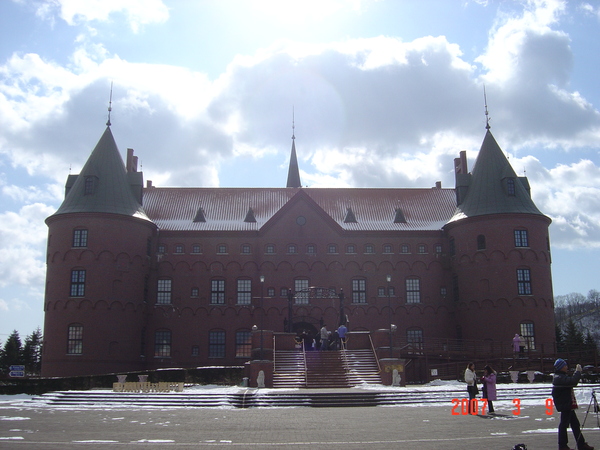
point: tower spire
(109, 105)
(293, 179)
(487, 115)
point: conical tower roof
(293, 179)
(494, 186)
(103, 185)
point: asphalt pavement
(394, 427)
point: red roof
(226, 208)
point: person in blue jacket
(564, 401)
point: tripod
(596, 410)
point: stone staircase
(252, 397)
(328, 369)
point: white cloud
(369, 112)
(138, 12)
(22, 245)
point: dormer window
(510, 187)
(90, 185)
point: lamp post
(262, 317)
(388, 278)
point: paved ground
(397, 427)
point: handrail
(344, 356)
(274, 353)
(375, 354)
(305, 366)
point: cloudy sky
(384, 93)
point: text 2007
(465, 406)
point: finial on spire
(109, 105)
(293, 125)
(487, 115)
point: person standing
(471, 381)
(342, 330)
(516, 343)
(565, 402)
(489, 387)
(324, 337)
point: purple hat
(559, 364)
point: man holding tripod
(564, 400)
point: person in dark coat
(564, 401)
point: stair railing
(305, 365)
(344, 355)
(274, 355)
(375, 354)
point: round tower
(500, 255)
(98, 264)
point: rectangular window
(455, 292)
(359, 291)
(404, 248)
(217, 292)
(311, 249)
(195, 350)
(246, 249)
(413, 290)
(243, 344)
(521, 238)
(301, 288)
(163, 295)
(524, 281)
(283, 292)
(216, 344)
(528, 335)
(162, 344)
(332, 249)
(244, 292)
(414, 337)
(196, 248)
(80, 238)
(77, 283)
(179, 248)
(75, 340)
(270, 249)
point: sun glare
(296, 12)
